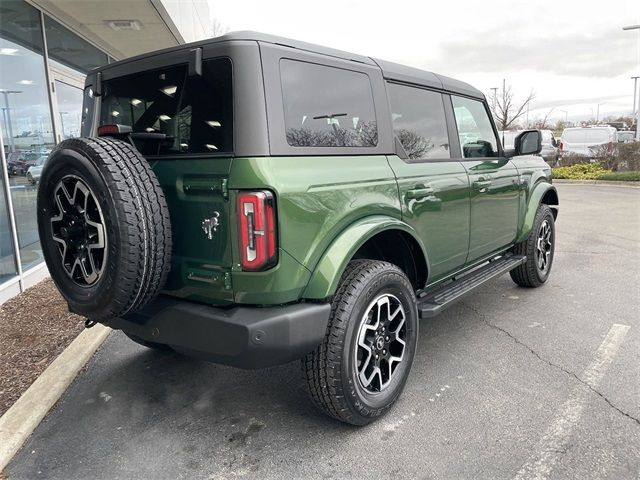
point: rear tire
(373, 325)
(539, 247)
(104, 227)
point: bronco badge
(210, 225)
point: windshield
(186, 114)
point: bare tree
(505, 108)
(218, 28)
(543, 124)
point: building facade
(46, 49)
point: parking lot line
(554, 441)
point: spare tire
(104, 227)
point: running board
(435, 302)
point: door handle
(482, 184)
(420, 192)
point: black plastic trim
(241, 336)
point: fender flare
(539, 191)
(326, 275)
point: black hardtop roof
(390, 70)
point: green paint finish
(319, 197)
(495, 205)
(326, 276)
(329, 206)
(435, 203)
(283, 283)
(194, 189)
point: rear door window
(477, 138)
(186, 114)
(327, 106)
(419, 122)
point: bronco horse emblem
(210, 225)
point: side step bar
(435, 302)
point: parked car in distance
(35, 170)
(252, 200)
(626, 136)
(588, 141)
(549, 151)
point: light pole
(12, 145)
(635, 92)
(598, 112)
(494, 90)
(566, 116)
(635, 81)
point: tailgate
(196, 191)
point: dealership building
(46, 49)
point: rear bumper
(246, 337)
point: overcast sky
(573, 54)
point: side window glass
(477, 139)
(419, 122)
(326, 106)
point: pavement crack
(516, 340)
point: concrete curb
(611, 183)
(26, 414)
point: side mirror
(528, 142)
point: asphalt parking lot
(511, 383)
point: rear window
(419, 122)
(326, 106)
(192, 114)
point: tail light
(561, 146)
(258, 249)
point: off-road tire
(528, 274)
(151, 345)
(330, 371)
(136, 226)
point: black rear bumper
(247, 337)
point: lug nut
(386, 338)
(384, 352)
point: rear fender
(326, 276)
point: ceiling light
(8, 51)
(184, 145)
(115, 113)
(150, 129)
(135, 102)
(120, 25)
(164, 117)
(26, 82)
(214, 123)
(211, 147)
(170, 90)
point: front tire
(359, 370)
(539, 247)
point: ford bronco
(253, 200)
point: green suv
(253, 200)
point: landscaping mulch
(35, 327)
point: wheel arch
(543, 193)
(370, 238)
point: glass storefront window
(26, 118)
(7, 259)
